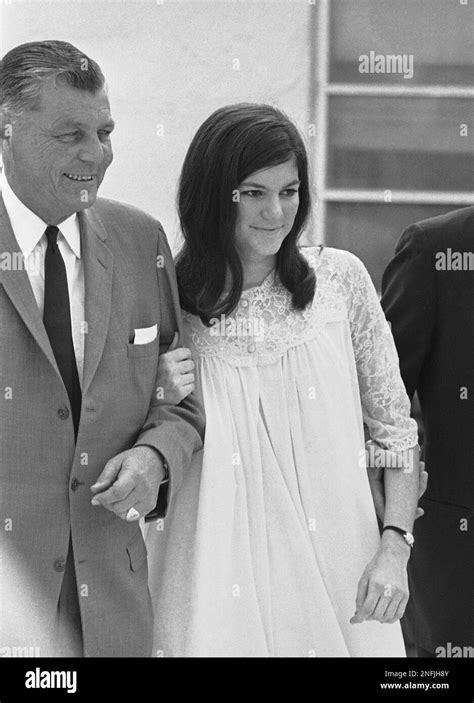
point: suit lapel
(98, 271)
(18, 289)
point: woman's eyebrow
(262, 187)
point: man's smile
(79, 177)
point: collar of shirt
(28, 228)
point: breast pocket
(142, 350)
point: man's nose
(91, 151)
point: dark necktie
(57, 321)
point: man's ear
(6, 127)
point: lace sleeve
(385, 404)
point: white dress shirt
(29, 231)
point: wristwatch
(407, 536)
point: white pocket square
(145, 335)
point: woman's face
(266, 210)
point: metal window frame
(319, 91)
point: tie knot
(52, 236)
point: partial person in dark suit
(428, 296)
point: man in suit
(88, 299)
(428, 296)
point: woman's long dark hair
(234, 142)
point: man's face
(58, 154)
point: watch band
(407, 536)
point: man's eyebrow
(253, 184)
(67, 122)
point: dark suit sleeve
(176, 431)
(409, 302)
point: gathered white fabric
(344, 292)
(263, 549)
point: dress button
(251, 348)
(60, 564)
(245, 303)
(63, 413)
(75, 483)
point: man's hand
(376, 479)
(382, 592)
(130, 480)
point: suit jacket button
(60, 564)
(75, 483)
(63, 413)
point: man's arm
(409, 303)
(131, 484)
(175, 431)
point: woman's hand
(382, 592)
(175, 376)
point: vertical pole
(319, 28)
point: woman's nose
(273, 210)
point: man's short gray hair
(23, 68)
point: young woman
(271, 547)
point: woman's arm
(401, 492)
(382, 592)
(383, 588)
(376, 476)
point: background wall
(399, 149)
(169, 65)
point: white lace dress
(270, 533)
